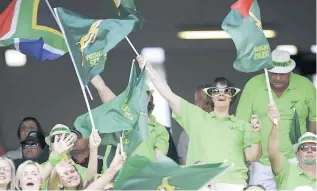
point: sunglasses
(306, 148)
(30, 145)
(227, 91)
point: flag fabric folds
(31, 28)
(244, 26)
(295, 133)
(125, 115)
(139, 173)
(89, 40)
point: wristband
(256, 138)
(55, 158)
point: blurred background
(50, 91)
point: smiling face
(5, 173)
(221, 100)
(69, 177)
(30, 178)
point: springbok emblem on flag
(166, 185)
(89, 38)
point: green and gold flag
(244, 26)
(125, 115)
(139, 173)
(89, 40)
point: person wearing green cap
(290, 176)
(294, 96)
(158, 142)
(215, 136)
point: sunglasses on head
(30, 145)
(306, 148)
(227, 91)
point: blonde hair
(21, 169)
(12, 182)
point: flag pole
(136, 52)
(269, 91)
(50, 8)
(77, 73)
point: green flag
(139, 173)
(295, 133)
(125, 115)
(243, 24)
(124, 8)
(89, 40)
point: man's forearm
(274, 142)
(254, 152)
(312, 127)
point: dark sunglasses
(306, 148)
(30, 145)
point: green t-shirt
(213, 140)
(158, 138)
(291, 176)
(300, 94)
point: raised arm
(161, 86)
(109, 174)
(104, 92)
(275, 156)
(94, 142)
(254, 152)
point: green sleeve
(244, 108)
(283, 174)
(162, 140)
(311, 102)
(247, 135)
(189, 115)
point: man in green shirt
(289, 176)
(292, 94)
(217, 136)
(158, 142)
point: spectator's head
(80, 150)
(305, 149)
(150, 100)
(222, 92)
(202, 100)
(7, 173)
(26, 125)
(283, 65)
(29, 176)
(69, 178)
(33, 145)
(254, 188)
(56, 133)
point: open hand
(64, 145)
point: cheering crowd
(256, 141)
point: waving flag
(243, 24)
(125, 115)
(30, 26)
(89, 40)
(139, 173)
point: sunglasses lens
(313, 148)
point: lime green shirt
(213, 140)
(158, 138)
(292, 176)
(300, 94)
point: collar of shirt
(301, 172)
(231, 117)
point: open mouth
(74, 178)
(30, 184)
(221, 98)
(2, 177)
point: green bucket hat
(306, 138)
(57, 129)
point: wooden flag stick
(121, 145)
(269, 91)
